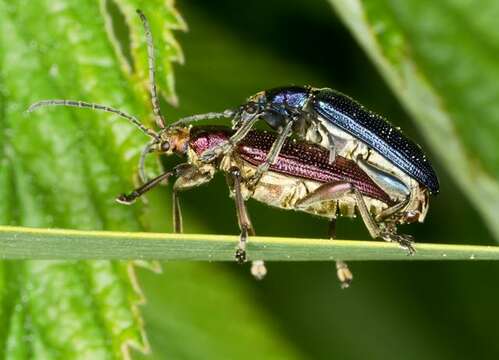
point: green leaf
(162, 20)
(63, 168)
(441, 62)
(32, 243)
(216, 311)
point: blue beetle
(330, 108)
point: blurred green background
(67, 165)
(393, 310)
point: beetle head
(173, 140)
(258, 106)
(276, 106)
(253, 107)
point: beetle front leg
(225, 147)
(130, 198)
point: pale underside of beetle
(395, 182)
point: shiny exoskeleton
(340, 124)
(301, 178)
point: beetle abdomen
(376, 132)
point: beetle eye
(165, 146)
(251, 108)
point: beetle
(339, 123)
(301, 179)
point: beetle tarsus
(258, 269)
(344, 274)
(240, 256)
(404, 241)
(127, 199)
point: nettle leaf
(441, 62)
(64, 167)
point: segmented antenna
(94, 106)
(160, 120)
(142, 161)
(211, 115)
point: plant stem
(60, 244)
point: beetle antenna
(94, 106)
(211, 115)
(146, 150)
(160, 120)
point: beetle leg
(189, 177)
(244, 222)
(142, 162)
(334, 191)
(207, 116)
(128, 199)
(326, 192)
(387, 234)
(342, 271)
(272, 154)
(258, 269)
(223, 148)
(177, 214)
(387, 213)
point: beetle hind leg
(384, 230)
(405, 241)
(387, 231)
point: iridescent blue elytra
(347, 114)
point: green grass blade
(33, 243)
